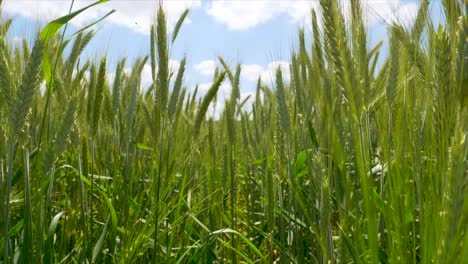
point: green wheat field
(352, 161)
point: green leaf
(143, 147)
(98, 247)
(49, 31)
(242, 237)
(113, 218)
(69, 38)
(16, 229)
(53, 225)
(46, 68)
(48, 254)
(112, 215)
(378, 202)
(299, 166)
(13, 232)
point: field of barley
(351, 161)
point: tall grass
(358, 159)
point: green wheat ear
(299, 182)
(6, 80)
(30, 81)
(90, 93)
(163, 60)
(210, 95)
(177, 87)
(98, 96)
(66, 125)
(281, 97)
(116, 88)
(392, 79)
(178, 25)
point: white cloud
(37, 9)
(300, 12)
(236, 15)
(243, 15)
(139, 15)
(206, 67)
(251, 72)
(389, 11)
(135, 15)
(146, 78)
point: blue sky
(259, 34)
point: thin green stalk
(27, 251)
(6, 210)
(83, 206)
(157, 187)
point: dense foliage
(348, 162)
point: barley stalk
(30, 81)
(210, 95)
(98, 97)
(176, 89)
